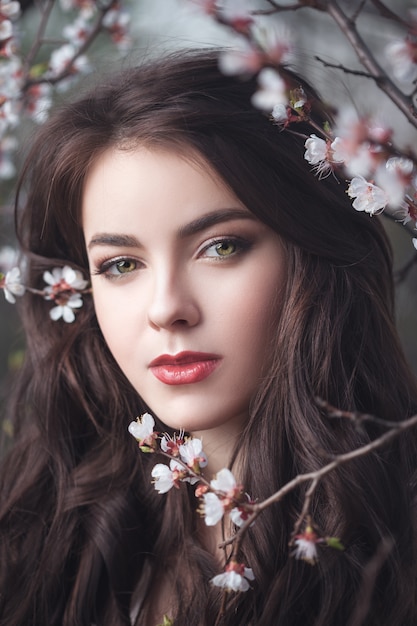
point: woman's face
(186, 283)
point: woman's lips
(184, 368)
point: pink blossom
(402, 57)
(8, 258)
(306, 546)
(358, 144)
(171, 445)
(272, 90)
(86, 7)
(394, 177)
(6, 30)
(9, 9)
(276, 41)
(117, 23)
(407, 211)
(237, 14)
(235, 578)
(368, 197)
(243, 60)
(38, 102)
(209, 7)
(322, 153)
(239, 515)
(77, 32)
(63, 60)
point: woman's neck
(219, 445)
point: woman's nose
(173, 303)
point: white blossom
(272, 90)
(368, 197)
(10, 9)
(213, 509)
(240, 60)
(305, 549)
(65, 311)
(402, 56)
(166, 477)
(78, 31)
(238, 516)
(191, 452)
(142, 428)
(12, 285)
(62, 59)
(63, 285)
(394, 177)
(280, 113)
(6, 30)
(8, 258)
(64, 278)
(235, 578)
(224, 481)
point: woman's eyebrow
(196, 226)
(213, 218)
(109, 239)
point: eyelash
(240, 245)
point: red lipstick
(184, 368)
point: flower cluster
(64, 288)
(379, 176)
(27, 90)
(222, 495)
(217, 497)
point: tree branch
(348, 27)
(384, 11)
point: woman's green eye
(225, 248)
(222, 249)
(125, 266)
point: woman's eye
(115, 268)
(224, 248)
(123, 267)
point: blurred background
(157, 26)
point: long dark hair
(78, 517)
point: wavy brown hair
(79, 518)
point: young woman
(230, 288)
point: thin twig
(384, 11)
(348, 27)
(276, 8)
(316, 476)
(67, 71)
(37, 44)
(343, 68)
(358, 11)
